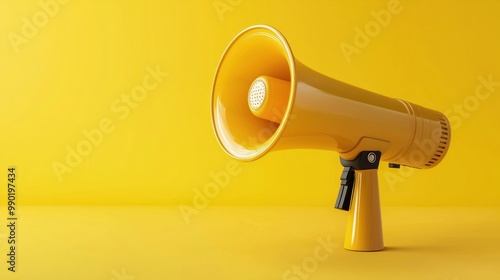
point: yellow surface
(83, 72)
(85, 242)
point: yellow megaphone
(264, 99)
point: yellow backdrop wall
(108, 102)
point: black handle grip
(346, 189)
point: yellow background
(65, 79)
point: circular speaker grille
(257, 95)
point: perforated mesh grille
(257, 94)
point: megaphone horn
(260, 87)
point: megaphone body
(264, 99)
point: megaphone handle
(346, 187)
(366, 160)
(359, 187)
(364, 222)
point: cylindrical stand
(364, 225)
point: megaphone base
(364, 224)
(359, 195)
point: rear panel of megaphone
(314, 111)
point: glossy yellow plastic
(364, 222)
(320, 112)
(312, 111)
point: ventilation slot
(443, 143)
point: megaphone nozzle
(268, 98)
